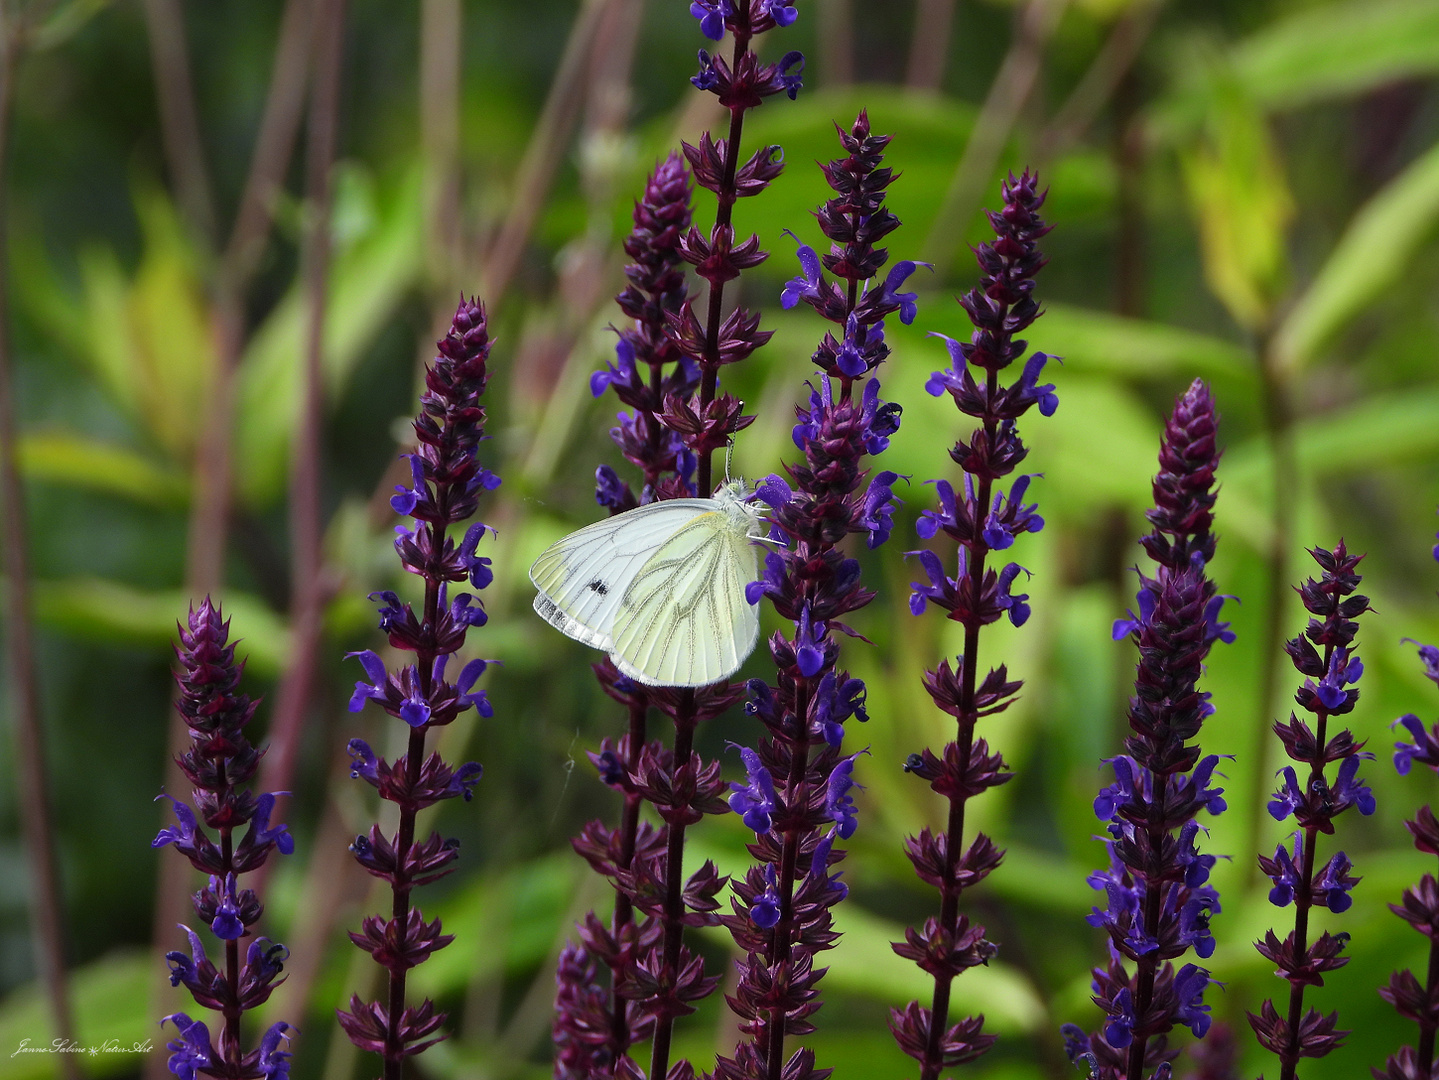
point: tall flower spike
(1158, 900)
(1324, 655)
(679, 420)
(1419, 905)
(219, 763)
(611, 989)
(447, 482)
(977, 520)
(797, 796)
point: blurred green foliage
(1280, 213)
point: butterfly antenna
(729, 447)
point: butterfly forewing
(684, 620)
(583, 577)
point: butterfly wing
(684, 620)
(582, 577)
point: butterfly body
(661, 588)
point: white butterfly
(661, 588)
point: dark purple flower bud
(756, 801)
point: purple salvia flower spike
(978, 520)
(1314, 802)
(1159, 902)
(1419, 904)
(448, 484)
(219, 763)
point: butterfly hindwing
(583, 577)
(684, 620)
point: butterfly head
(737, 501)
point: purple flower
(781, 11)
(890, 297)
(839, 804)
(712, 15)
(1429, 657)
(1135, 623)
(1004, 523)
(226, 925)
(940, 589)
(622, 375)
(1342, 671)
(377, 688)
(790, 71)
(1027, 392)
(1189, 986)
(1119, 1028)
(1194, 921)
(755, 801)
(806, 286)
(260, 834)
(463, 686)
(1013, 603)
(878, 515)
(764, 912)
(1349, 790)
(192, 1050)
(364, 764)
(1127, 777)
(274, 1063)
(181, 835)
(1333, 883)
(1214, 630)
(809, 645)
(881, 419)
(1424, 749)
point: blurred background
(1241, 191)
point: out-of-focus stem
(1104, 79)
(307, 592)
(441, 33)
(46, 897)
(929, 46)
(179, 124)
(835, 27)
(1284, 476)
(543, 154)
(1011, 88)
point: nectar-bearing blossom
(667, 371)
(1413, 995)
(219, 763)
(1158, 902)
(987, 513)
(447, 482)
(1309, 801)
(798, 791)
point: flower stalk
(447, 481)
(219, 763)
(1158, 899)
(980, 521)
(797, 794)
(1324, 654)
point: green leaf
(1237, 188)
(1095, 342)
(76, 461)
(110, 1000)
(1339, 50)
(368, 280)
(94, 609)
(1369, 259)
